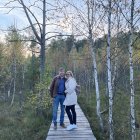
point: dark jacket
(54, 86)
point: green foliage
(80, 44)
(27, 125)
(32, 72)
(40, 98)
(121, 114)
(89, 108)
(33, 99)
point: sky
(8, 19)
(17, 15)
(18, 18)
(14, 17)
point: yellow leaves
(136, 57)
(33, 100)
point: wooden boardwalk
(83, 132)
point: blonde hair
(70, 72)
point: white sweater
(71, 97)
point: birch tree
(116, 47)
(132, 98)
(91, 9)
(111, 135)
(15, 73)
(85, 27)
(16, 59)
(132, 18)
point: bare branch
(28, 27)
(33, 4)
(10, 10)
(59, 35)
(10, 2)
(9, 7)
(38, 8)
(104, 111)
(33, 28)
(50, 4)
(24, 40)
(25, 7)
(136, 21)
(33, 50)
(121, 11)
(52, 33)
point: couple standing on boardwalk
(62, 90)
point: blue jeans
(58, 99)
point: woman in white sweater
(70, 100)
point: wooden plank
(88, 137)
(71, 138)
(83, 132)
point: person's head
(69, 74)
(61, 72)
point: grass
(28, 126)
(121, 115)
(22, 126)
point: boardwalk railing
(83, 132)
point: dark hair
(61, 69)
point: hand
(66, 91)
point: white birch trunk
(116, 49)
(91, 43)
(111, 136)
(98, 103)
(15, 73)
(132, 106)
(9, 91)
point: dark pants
(70, 110)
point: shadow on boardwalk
(83, 132)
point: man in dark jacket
(57, 89)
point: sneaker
(63, 125)
(70, 127)
(74, 126)
(55, 126)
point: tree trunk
(111, 137)
(42, 59)
(91, 45)
(41, 39)
(42, 51)
(22, 89)
(15, 73)
(132, 105)
(32, 80)
(98, 107)
(116, 50)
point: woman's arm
(71, 86)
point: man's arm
(52, 87)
